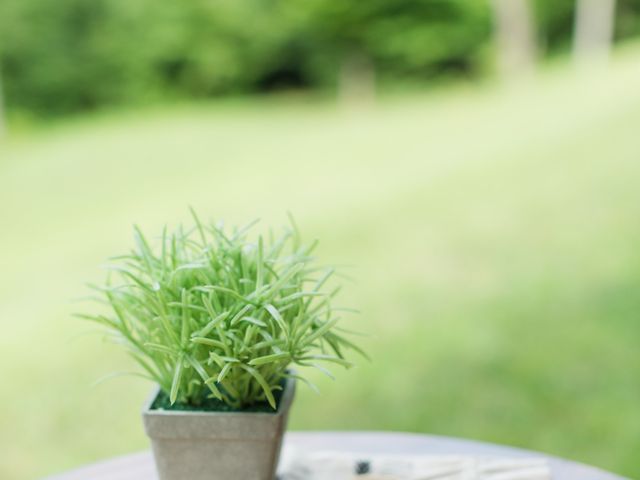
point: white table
(139, 466)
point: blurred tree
(411, 40)
(627, 22)
(73, 55)
(554, 20)
(594, 28)
(558, 19)
(515, 36)
(77, 55)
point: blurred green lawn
(494, 233)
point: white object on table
(333, 465)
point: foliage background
(493, 227)
(78, 55)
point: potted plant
(216, 320)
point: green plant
(215, 313)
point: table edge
(370, 434)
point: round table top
(139, 466)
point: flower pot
(199, 445)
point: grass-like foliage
(213, 312)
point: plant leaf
(276, 357)
(177, 376)
(263, 384)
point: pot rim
(283, 406)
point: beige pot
(217, 445)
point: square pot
(192, 445)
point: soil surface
(206, 404)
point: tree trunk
(594, 25)
(357, 79)
(515, 37)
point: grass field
(493, 233)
